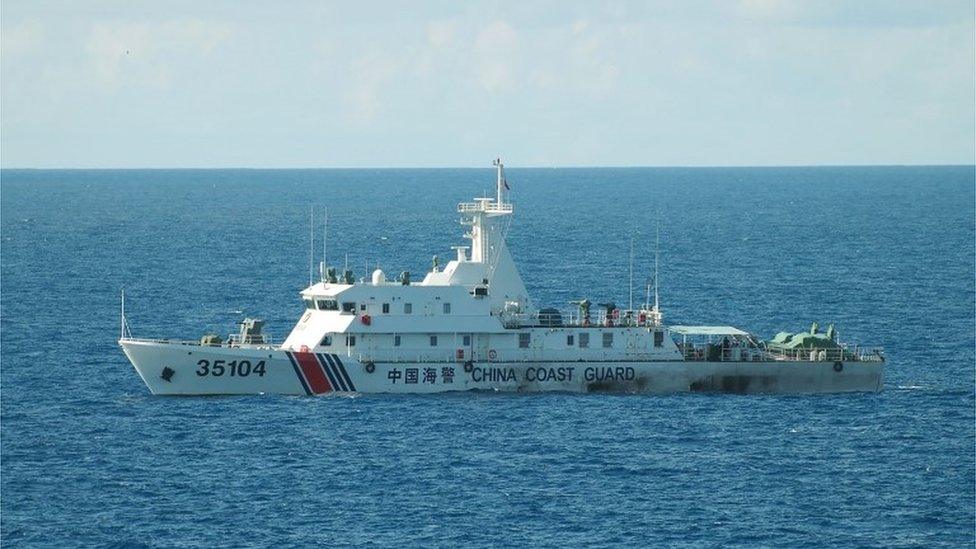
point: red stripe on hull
(313, 373)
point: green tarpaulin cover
(804, 340)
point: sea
(89, 458)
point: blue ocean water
(88, 457)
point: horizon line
(469, 167)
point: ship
(471, 325)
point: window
(396, 341)
(386, 308)
(433, 341)
(309, 304)
(466, 341)
(362, 307)
(407, 308)
(350, 341)
(584, 340)
(328, 305)
(447, 308)
(607, 340)
(569, 340)
(349, 307)
(524, 339)
(326, 341)
(658, 338)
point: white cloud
(148, 53)
(644, 83)
(768, 9)
(371, 74)
(496, 47)
(22, 39)
(441, 33)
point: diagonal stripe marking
(310, 367)
(298, 373)
(342, 369)
(333, 372)
(333, 378)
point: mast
(124, 324)
(630, 284)
(311, 243)
(484, 217)
(122, 319)
(657, 254)
(325, 238)
(500, 178)
(647, 295)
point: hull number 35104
(233, 368)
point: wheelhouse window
(466, 341)
(309, 304)
(396, 341)
(362, 307)
(349, 307)
(584, 340)
(447, 308)
(524, 339)
(350, 341)
(386, 308)
(326, 341)
(569, 340)
(433, 341)
(607, 340)
(327, 305)
(408, 308)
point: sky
(133, 84)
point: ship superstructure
(471, 325)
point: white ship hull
(471, 325)
(179, 369)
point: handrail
(841, 354)
(752, 353)
(256, 339)
(484, 206)
(231, 342)
(601, 318)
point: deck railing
(596, 319)
(232, 341)
(842, 354)
(484, 206)
(751, 353)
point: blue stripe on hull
(342, 370)
(298, 373)
(327, 368)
